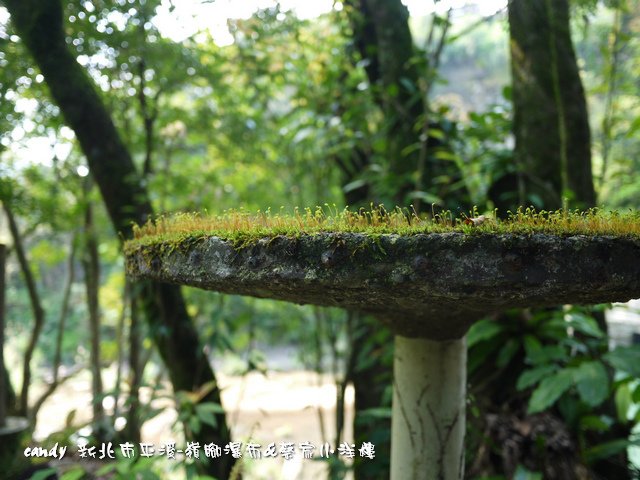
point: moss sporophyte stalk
(243, 228)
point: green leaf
(550, 389)
(483, 330)
(74, 474)
(194, 424)
(533, 376)
(408, 84)
(108, 468)
(43, 474)
(354, 185)
(210, 407)
(506, 92)
(635, 394)
(592, 382)
(633, 128)
(531, 345)
(147, 475)
(547, 354)
(585, 324)
(598, 423)
(206, 413)
(379, 412)
(608, 449)
(507, 352)
(623, 402)
(445, 155)
(626, 359)
(436, 133)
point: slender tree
(3, 380)
(91, 266)
(39, 314)
(401, 80)
(41, 27)
(551, 124)
(553, 158)
(401, 77)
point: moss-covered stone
(432, 285)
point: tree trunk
(36, 306)
(62, 318)
(117, 388)
(552, 152)
(551, 124)
(40, 24)
(91, 266)
(135, 374)
(382, 36)
(3, 379)
(370, 376)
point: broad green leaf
(592, 382)
(194, 424)
(43, 474)
(635, 394)
(585, 324)
(147, 475)
(445, 155)
(531, 345)
(547, 354)
(483, 330)
(354, 185)
(380, 412)
(206, 413)
(507, 352)
(73, 474)
(626, 359)
(633, 128)
(533, 376)
(550, 389)
(623, 402)
(479, 354)
(210, 407)
(436, 133)
(609, 449)
(408, 84)
(108, 468)
(598, 423)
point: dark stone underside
(432, 286)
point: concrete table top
(424, 285)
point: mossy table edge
(423, 285)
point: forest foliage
(280, 117)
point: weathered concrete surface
(432, 285)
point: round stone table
(428, 288)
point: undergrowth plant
(568, 370)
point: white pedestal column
(428, 423)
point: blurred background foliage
(283, 112)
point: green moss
(242, 229)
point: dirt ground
(282, 406)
